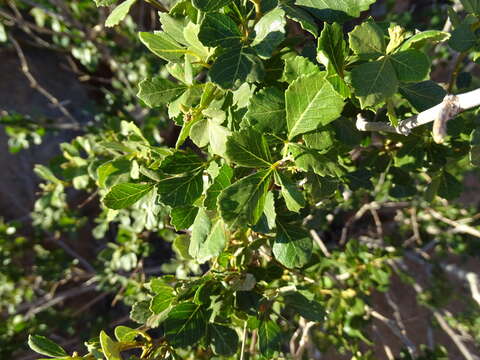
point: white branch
(450, 107)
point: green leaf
(418, 41)
(292, 246)
(45, 346)
(124, 195)
(210, 5)
(224, 339)
(269, 338)
(181, 162)
(158, 91)
(185, 325)
(248, 148)
(475, 147)
(296, 66)
(266, 111)
(423, 95)
(374, 82)
(173, 26)
(299, 15)
(119, 13)
(463, 38)
(162, 45)
(162, 301)
(126, 334)
(219, 30)
(471, 6)
(269, 33)
(181, 190)
(332, 48)
(221, 182)
(367, 40)
(242, 203)
(236, 65)
(308, 308)
(335, 10)
(410, 65)
(311, 101)
(113, 171)
(312, 160)
(319, 188)
(110, 348)
(291, 193)
(105, 2)
(210, 131)
(321, 140)
(182, 217)
(141, 311)
(207, 241)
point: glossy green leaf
(235, 66)
(423, 95)
(418, 41)
(126, 334)
(296, 13)
(110, 348)
(311, 101)
(163, 45)
(248, 148)
(181, 162)
(119, 13)
(124, 195)
(374, 82)
(269, 338)
(185, 325)
(159, 92)
(335, 10)
(292, 246)
(219, 30)
(221, 182)
(180, 190)
(266, 111)
(243, 202)
(224, 339)
(45, 346)
(269, 32)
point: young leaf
(44, 346)
(374, 82)
(119, 13)
(335, 10)
(219, 30)
(224, 339)
(331, 49)
(163, 45)
(124, 195)
(291, 193)
(311, 101)
(185, 325)
(236, 65)
(243, 202)
(269, 338)
(210, 5)
(266, 111)
(210, 131)
(110, 348)
(367, 40)
(126, 334)
(159, 92)
(248, 148)
(181, 190)
(269, 32)
(292, 246)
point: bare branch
(320, 243)
(451, 106)
(458, 226)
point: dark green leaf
(292, 246)
(181, 190)
(181, 162)
(243, 202)
(335, 10)
(423, 95)
(368, 41)
(185, 325)
(332, 48)
(219, 30)
(162, 301)
(472, 6)
(308, 308)
(290, 191)
(269, 338)
(221, 182)
(299, 15)
(463, 38)
(224, 340)
(269, 32)
(210, 5)
(158, 91)
(296, 66)
(182, 217)
(248, 148)
(266, 111)
(124, 195)
(410, 65)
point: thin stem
(158, 5)
(456, 70)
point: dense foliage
(263, 191)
